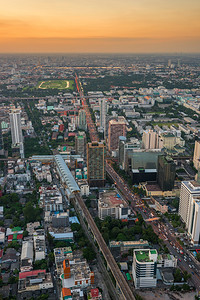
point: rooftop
(142, 256)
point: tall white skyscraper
(15, 125)
(189, 208)
(103, 111)
(196, 157)
(16, 130)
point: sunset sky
(100, 26)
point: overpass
(121, 282)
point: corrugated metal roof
(66, 174)
(27, 250)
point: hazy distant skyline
(106, 26)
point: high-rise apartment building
(189, 208)
(15, 125)
(149, 139)
(80, 145)
(196, 157)
(16, 131)
(188, 190)
(116, 128)
(144, 268)
(82, 124)
(96, 172)
(166, 172)
(103, 111)
(1, 142)
(194, 220)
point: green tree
(89, 253)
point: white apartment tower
(16, 130)
(15, 125)
(189, 208)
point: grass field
(56, 84)
(164, 124)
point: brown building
(116, 128)
(96, 172)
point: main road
(121, 282)
(185, 260)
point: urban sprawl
(99, 177)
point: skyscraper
(166, 173)
(1, 142)
(103, 111)
(96, 164)
(189, 208)
(16, 131)
(196, 157)
(15, 125)
(117, 128)
(82, 124)
(80, 144)
(151, 140)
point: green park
(56, 84)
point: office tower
(196, 157)
(122, 142)
(96, 172)
(144, 268)
(1, 142)
(169, 63)
(103, 111)
(116, 128)
(125, 148)
(166, 172)
(150, 140)
(189, 208)
(15, 125)
(80, 144)
(82, 124)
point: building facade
(189, 208)
(166, 173)
(82, 124)
(196, 157)
(116, 129)
(144, 268)
(96, 172)
(80, 145)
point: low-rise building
(125, 246)
(166, 261)
(39, 244)
(60, 254)
(111, 204)
(84, 187)
(160, 204)
(60, 220)
(27, 256)
(77, 274)
(34, 283)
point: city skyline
(113, 27)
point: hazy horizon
(110, 27)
